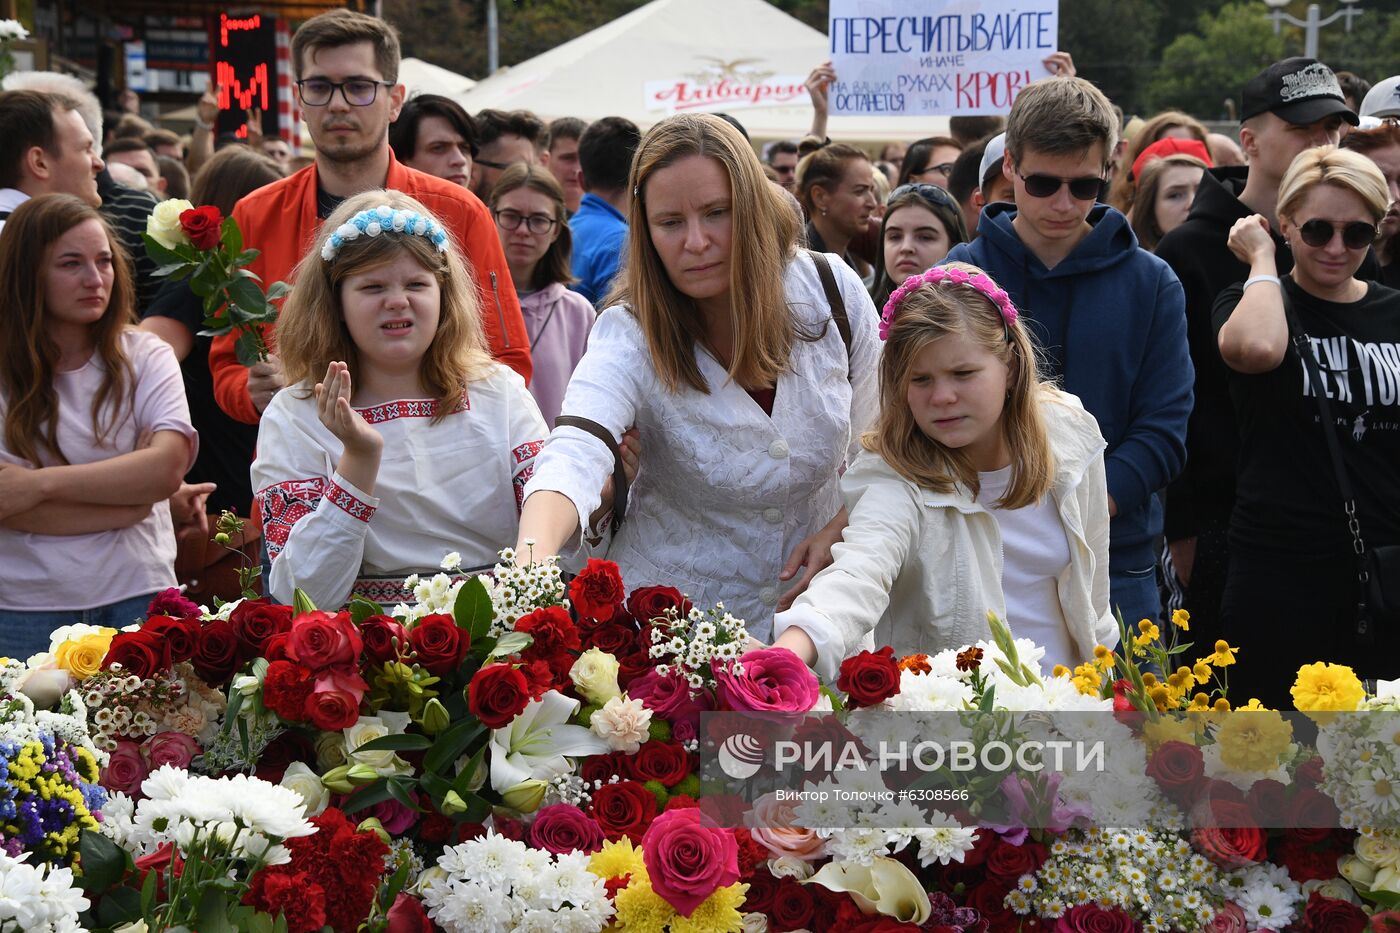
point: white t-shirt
(72, 572)
(1035, 552)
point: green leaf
(367, 796)
(169, 269)
(232, 236)
(207, 278)
(361, 609)
(120, 906)
(409, 742)
(235, 703)
(450, 746)
(212, 914)
(246, 294)
(278, 290)
(161, 253)
(243, 739)
(399, 789)
(437, 787)
(472, 610)
(246, 348)
(301, 603)
(511, 643)
(103, 861)
(148, 892)
(464, 779)
(396, 883)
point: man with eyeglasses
(346, 65)
(1108, 315)
(503, 139)
(1292, 105)
(782, 159)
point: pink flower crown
(939, 275)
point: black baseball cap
(1299, 90)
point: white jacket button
(778, 449)
(772, 516)
(768, 596)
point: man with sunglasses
(1292, 105)
(346, 65)
(1107, 315)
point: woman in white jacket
(980, 488)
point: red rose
(1330, 915)
(1266, 801)
(989, 900)
(632, 666)
(126, 769)
(142, 653)
(380, 634)
(286, 687)
(605, 767)
(203, 226)
(276, 647)
(1176, 767)
(597, 592)
(257, 620)
(870, 677)
(217, 656)
(1309, 808)
(552, 630)
(615, 639)
(688, 859)
(762, 888)
(497, 694)
(563, 827)
(1233, 841)
(321, 640)
(1310, 771)
(439, 644)
(1091, 918)
(651, 602)
(624, 809)
(792, 906)
(181, 634)
(332, 710)
(1007, 863)
(1386, 922)
(666, 762)
(1304, 861)
(407, 916)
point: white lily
(537, 743)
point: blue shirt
(599, 231)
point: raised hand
(334, 410)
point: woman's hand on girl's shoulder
(334, 409)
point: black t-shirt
(225, 446)
(1288, 500)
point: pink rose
(1091, 918)
(320, 640)
(669, 697)
(126, 770)
(171, 748)
(563, 827)
(773, 680)
(688, 862)
(393, 816)
(772, 826)
(1229, 919)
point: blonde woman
(720, 348)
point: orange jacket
(280, 219)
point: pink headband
(942, 274)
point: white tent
(693, 55)
(421, 77)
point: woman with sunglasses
(922, 222)
(532, 220)
(1291, 590)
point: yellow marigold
(718, 914)
(616, 859)
(1253, 741)
(82, 657)
(1224, 655)
(642, 910)
(1168, 729)
(1181, 619)
(1324, 687)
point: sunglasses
(930, 193)
(1355, 235)
(1087, 188)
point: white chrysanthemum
(944, 843)
(452, 562)
(919, 692)
(267, 808)
(1265, 905)
(492, 859)
(468, 907)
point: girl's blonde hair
(311, 331)
(1340, 168)
(763, 239)
(938, 310)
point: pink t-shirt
(71, 572)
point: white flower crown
(382, 219)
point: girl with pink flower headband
(979, 489)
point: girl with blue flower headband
(398, 439)
(980, 488)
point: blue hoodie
(1111, 321)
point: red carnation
(552, 630)
(870, 677)
(203, 226)
(597, 592)
(286, 687)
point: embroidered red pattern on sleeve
(525, 452)
(285, 504)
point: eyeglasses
(358, 92)
(500, 165)
(1086, 188)
(1355, 235)
(930, 193)
(535, 223)
(943, 168)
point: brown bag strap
(619, 510)
(833, 297)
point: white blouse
(456, 485)
(725, 492)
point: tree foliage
(1203, 70)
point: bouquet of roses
(200, 244)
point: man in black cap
(1290, 106)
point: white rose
(1379, 851)
(330, 750)
(367, 729)
(163, 225)
(755, 923)
(595, 676)
(787, 866)
(623, 724)
(1356, 871)
(307, 783)
(44, 682)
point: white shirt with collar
(726, 492)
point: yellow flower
(1200, 703)
(1324, 687)
(1169, 729)
(1148, 629)
(83, 657)
(1224, 655)
(1252, 705)
(1253, 741)
(616, 859)
(718, 914)
(1221, 705)
(1149, 679)
(1181, 619)
(1202, 672)
(1161, 698)
(1059, 670)
(642, 910)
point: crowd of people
(1061, 366)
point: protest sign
(937, 57)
